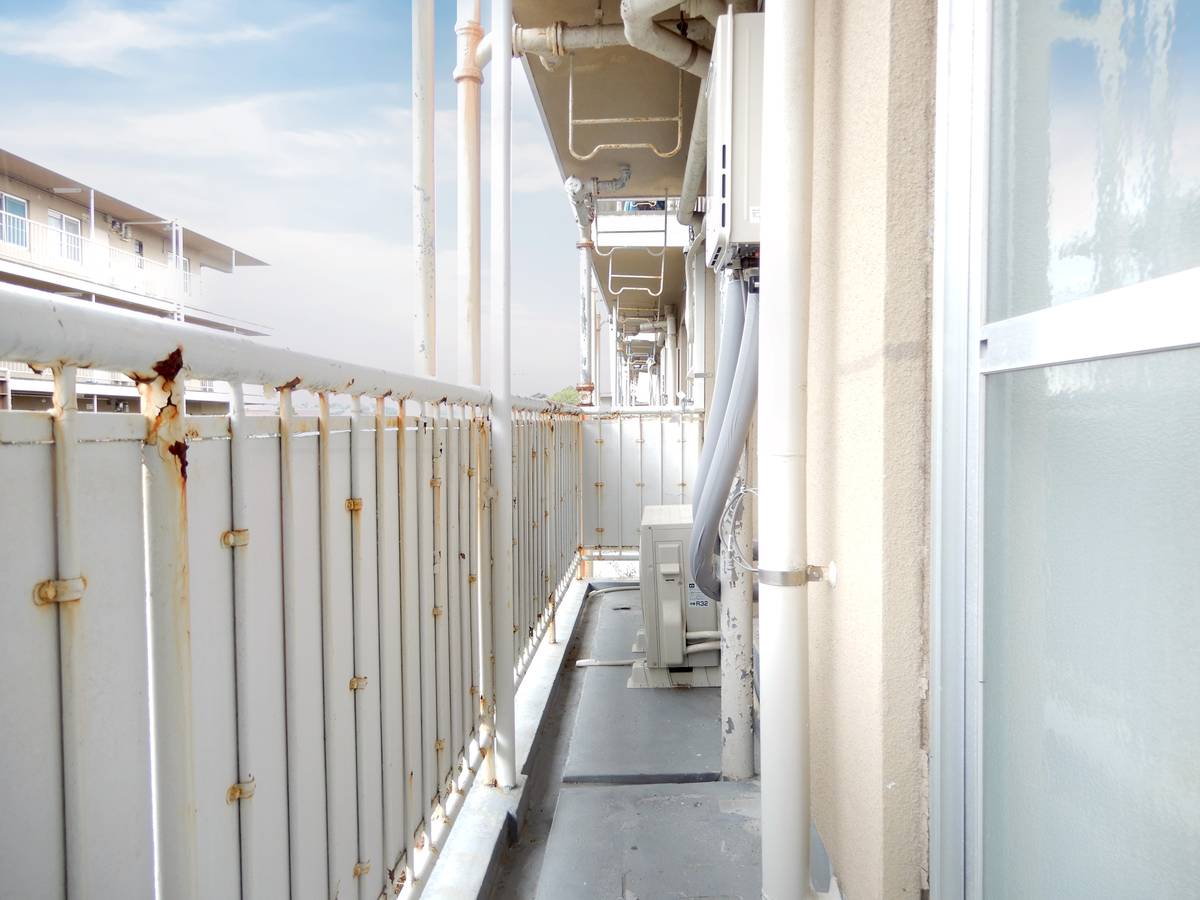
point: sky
(282, 128)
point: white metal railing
(249, 655)
(632, 460)
(546, 524)
(45, 247)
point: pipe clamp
(798, 577)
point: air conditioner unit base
(642, 675)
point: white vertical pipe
(501, 325)
(584, 246)
(612, 359)
(671, 360)
(164, 492)
(737, 657)
(91, 214)
(424, 259)
(468, 78)
(782, 447)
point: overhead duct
(650, 37)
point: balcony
(82, 262)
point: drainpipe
(468, 76)
(671, 360)
(425, 314)
(502, 436)
(737, 650)
(697, 157)
(582, 194)
(586, 386)
(785, 272)
(612, 366)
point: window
(65, 234)
(1066, 606)
(14, 227)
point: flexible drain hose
(732, 323)
(735, 426)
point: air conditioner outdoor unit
(673, 607)
(731, 222)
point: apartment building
(62, 235)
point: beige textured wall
(868, 439)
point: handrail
(88, 335)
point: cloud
(91, 35)
(316, 181)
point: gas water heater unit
(735, 116)
(681, 637)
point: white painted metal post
(737, 655)
(412, 629)
(164, 486)
(501, 326)
(337, 670)
(483, 599)
(424, 258)
(468, 77)
(238, 540)
(70, 643)
(782, 447)
(389, 502)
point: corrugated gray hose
(732, 322)
(734, 428)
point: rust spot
(179, 451)
(291, 384)
(168, 368)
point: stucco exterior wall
(868, 440)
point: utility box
(672, 605)
(735, 80)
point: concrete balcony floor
(624, 792)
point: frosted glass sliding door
(1091, 630)
(1065, 627)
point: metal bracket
(358, 682)
(242, 790)
(799, 577)
(676, 120)
(354, 504)
(238, 537)
(438, 612)
(61, 591)
(362, 868)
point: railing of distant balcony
(46, 247)
(631, 460)
(250, 655)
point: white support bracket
(237, 537)
(59, 591)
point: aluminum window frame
(1152, 316)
